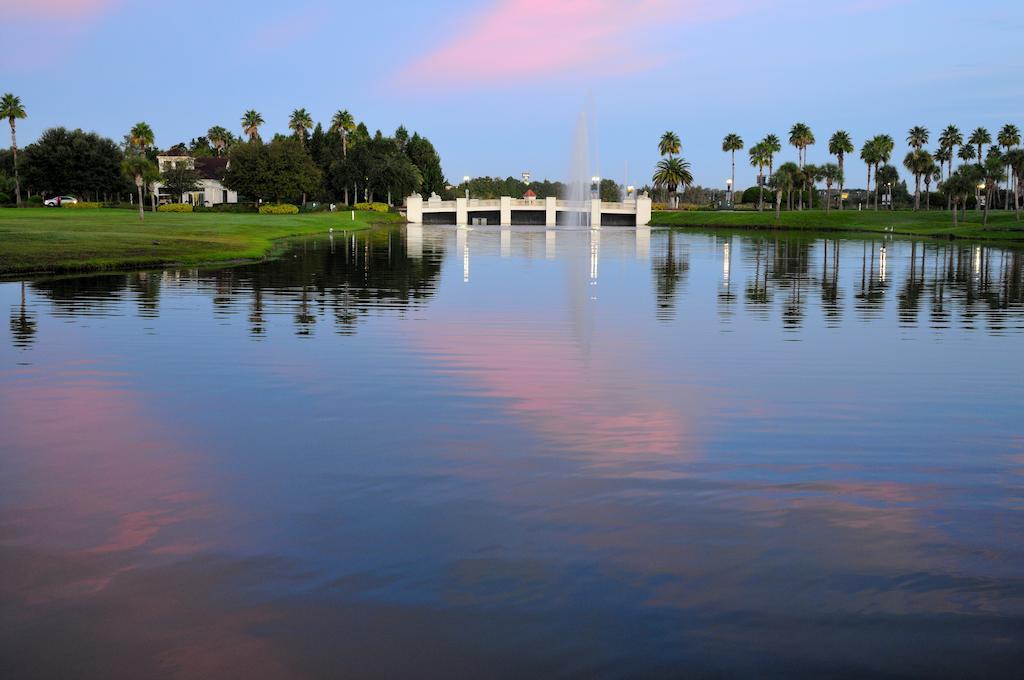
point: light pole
(982, 204)
(465, 180)
(728, 193)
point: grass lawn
(1002, 226)
(49, 240)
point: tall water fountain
(577, 190)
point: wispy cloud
(535, 40)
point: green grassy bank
(1001, 226)
(47, 240)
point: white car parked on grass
(58, 201)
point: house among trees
(209, 173)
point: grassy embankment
(47, 240)
(1001, 226)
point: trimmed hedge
(227, 208)
(82, 204)
(279, 209)
(374, 207)
(175, 207)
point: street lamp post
(728, 193)
(465, 180)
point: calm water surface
(434, 452)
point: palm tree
(299, 123)
(967, 154)
(979, 138)
(831, 173)
(759, 158)
(141, 137)
(343, 123)
(219, 137)
(1008, 138)
(918, 162)
(669, 144)
(732, 143)
(839, 145)
(942, 156)
(1015, 159)
(869, 154)
(796, 177)
(251, 122)
(950, 138)
(670, 173)
(933, 172)
(801, 137)
(884, 146)
(917, 137)
(13, 110)
(774, 145)
(889, 176)
(140, 169)
(782, 181)
(958, 187)
(812, 175)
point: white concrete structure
(210, 171)
(506, 211)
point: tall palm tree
(1015, 159)
(950, 138)
(885, 145)
(219, 137)
(801, 137)
(979, 138)
(251, 122)
(759, 158)
(343, 123)
(671, 173)
(141, 137)
(831, 174)
(917, 137)
(1008, 138)
(812, 174)
(299, 122)
(731, 144)
(932, 173)
(869, 154)
(918, 162)
(942, 155)
(13, 110)
(967, 154)
(774, 145)
(958, 187)
(669, 144)
(782, 181)
(140, 169)
(839, 145)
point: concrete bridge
(547, 212)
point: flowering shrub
(375, 207)
(82, 204)
(279, 209)
(175, 207)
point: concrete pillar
(461, 212)
(414, 241)
(551, 211)
(414, 209)
(506, 210)
(549, 244)
(643, 210)
(595, 213)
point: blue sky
(498, 85)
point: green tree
(299, 123)
(281, 170)
(141, 138)
(870, 155)
(831, 174)
(979, 138)
(731, 144)
(759, 158)
(933, 172)
(839, 145)
(889, 177)
(958, 187)
(1015, 159)
(1008, 138)
(774, 145)
(425, 157)
(251, 122)
(782, 181)
(795, 180)
(670, 173)
(917, 137)
(13, 110)
(669, 144)
(219, 137)
(72, 161)
(950, 138)
(141, 171)
(801, 137)
(343, 124)
(180, 179)
(918, 162)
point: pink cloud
(57, 10)
(537, 39)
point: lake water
(433, 452)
